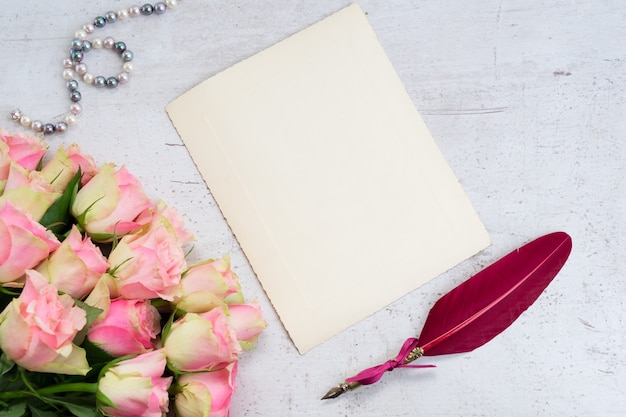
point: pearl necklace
(75, 68)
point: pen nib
(340, 389)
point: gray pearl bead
(99, 22)
(75, 96)
(160, 8)
(61, 127)
(110, 17)
(76, 44)
(99, 81)
(72, 85)
(127, 56)
(111, 82)
(16, 115)
(119, 47)
(77, 56)
(37, 126)
(147, 9)
(48, 129)
(87, 46)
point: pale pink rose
(201, 342)
(207, 285)
(25, 150)
(24, 243)
(148, 263)
(58, 171)
(75, 266)
(160, 210)
(29, 191)
(129, 326)
(135, 387)
(248, 322)
(85, 162)
(38, 327)
(204, 394)
(109, 203)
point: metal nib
(340, 389)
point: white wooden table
(527, 101)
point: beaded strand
(75, 68)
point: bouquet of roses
(100, 313)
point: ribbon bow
(408, 353)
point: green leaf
(15, 410)
(36, 412)
(96, 355)
(58, 218)
(92, 315)
(6, 365)
(80, 410)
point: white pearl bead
(89, 28)
(68, 74)
(134, 11)
(70, 119)
(76, 108)
(123, 77)
(123, 14)
(96, 43)
(81, 34)
(81, 69)
(171, 3)
(88, 78)
(25, 121)
(68, 63)
(108, 42)
(128, 67)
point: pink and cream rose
(85, 162)
(248, 322)
(29, 191)
(129, 327)
(109, 203)
(25, 150)
(149, 262)
(38, 327)
(135, 387)
(201, 342)
(207, 285)
(75, 266)
(160, 210)
(25, 243)
(202, 394)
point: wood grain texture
(526, 100)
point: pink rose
(247, 321)
(148, 263)
(29, 191)
(83, 161)
(25, 243)
(206, 393)
(207, 285)
(25, 150)
(60, 170)
(129, 326)
(75, 266)
(161, 210)
(135, 387)
(201, 342)
(109, 203)
(37, 329)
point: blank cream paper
(327, 176)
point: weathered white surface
(526, 100)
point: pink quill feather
(480, 308)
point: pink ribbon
(373, 374)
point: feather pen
(478, 309)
